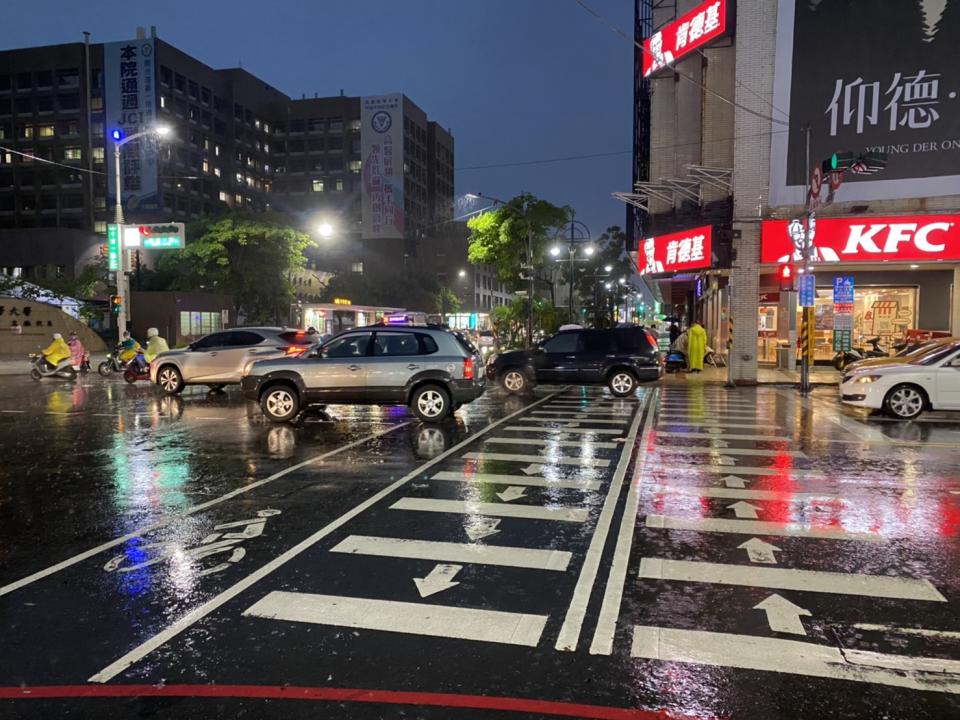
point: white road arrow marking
(732, 481)
(512, 493)
(759, 551)
(744, 510)
(478, 528)
(532, 469)
(724, 460)
(782, 615)
(439, 579)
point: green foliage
(93, 279)
(588, 287)
(446, 301)
(248, 256)
(509, 323)
(499, 237)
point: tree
(499, 237)
(592, 276)
(248, 256)
(446, 301)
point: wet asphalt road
(689, 552)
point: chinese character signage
(677, 252)
(113, 247)
(130, 103)
(808, 290)
(883, 78)
(706, 22)
(898, 238)
(381, 146)
(842, 312)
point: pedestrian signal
(786, 275)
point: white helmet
(152, 332)
(57, 336)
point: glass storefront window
(884, 312)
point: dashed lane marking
(403, 617)
(724, 436)
(469, 507)
(737, 494)
(795, 657)
(875, 586)
(570, 428)
(504, 556)
(571, 422)
(695, 466)
(702, 450)
(460, 477)
(545, 442)
(549, 458)
(755, 527)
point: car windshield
(932, 358)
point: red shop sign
(901, 238)
(677, 252)
(769, 298)
(704, 23)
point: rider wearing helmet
(128, 347)
(57, 351)
(155, 345)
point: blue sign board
(808, 289)
(843, 290)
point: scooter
(842, 359)
(137, 369)
(40, 368)
(113, 363)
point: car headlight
(864, 379)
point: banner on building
(381, 146)
(130, 106)
(677, 39)
(882, 77)
(864, 239)
(677, 252)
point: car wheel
(514, 381)
(170, 380)
(105, 368)
(280, 403)
(622, 383)
(430, 403)
(905, 402)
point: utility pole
(573, 270)
(805, 260)
(118, 219)
(532, 287)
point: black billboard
(870, 75)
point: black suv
(619, 358)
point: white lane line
(16, 585)
(794, 657)
(702, 450)
(715, 416)
(200, 612)
(13, 411)
(571, 422)
(725, 436)
(469, 507)
(572, 428)
(737, 494)
(586, 485)
(756, 527)
(569, 636)
(545, 459)
(532, 559)
(696, 467)
(919, 632)
(402, 617)
(547, 442)
(876, 586)
(720, 425)
(602, 643)
(577, 414)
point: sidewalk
(765, 376)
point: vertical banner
(808, 290)
(843, 289)
(131, 107)
(381, 147)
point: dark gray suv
(432, 370)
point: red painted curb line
(388, 697)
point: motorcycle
(113, 363)
(137, 369)
(40, 368)
(842, 359)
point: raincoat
(77, 351)
(56, 351)
(128, 349)
(696, 346)
(155, 346)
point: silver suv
(221, 358)
(433, 371)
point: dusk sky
(515, 80)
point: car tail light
(295, 350)
(468, 368)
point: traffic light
(869, 163)
(838, 162)
(115, 305)
(786, 275)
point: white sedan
(929, 382)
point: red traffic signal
(786, 274)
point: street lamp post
(572, 243)
(119, 140)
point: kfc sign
(677, 252)
(915, 238)
(698, 27)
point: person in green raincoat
(696, 346)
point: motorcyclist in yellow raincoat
(155, 345)
(56, 351)
(128, 348)
(696, 346)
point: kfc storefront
(901, 272)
